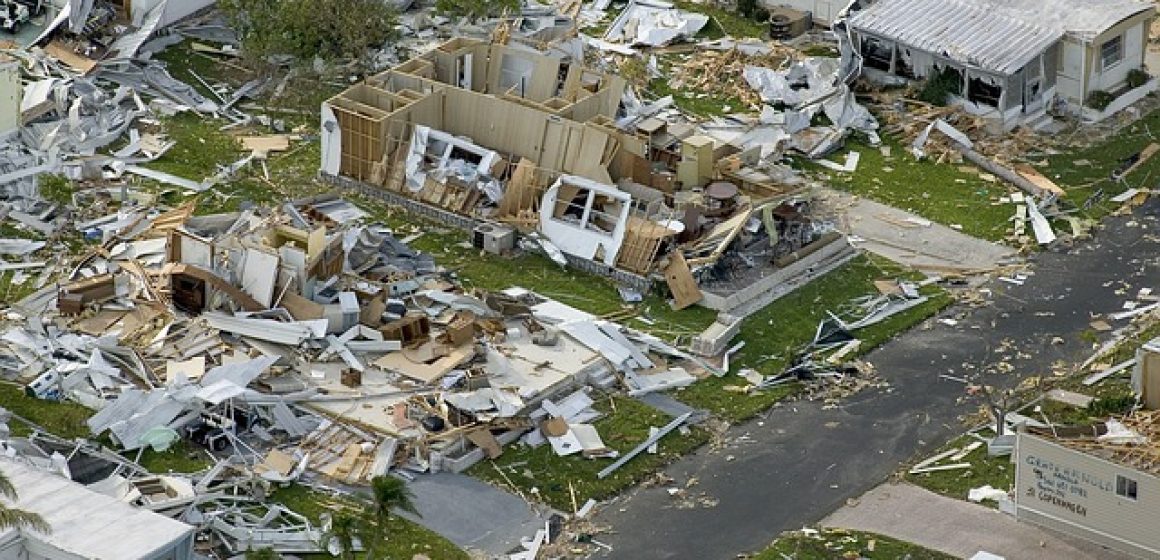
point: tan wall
(554, 138)
(1075, 493)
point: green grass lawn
(775, 334)
(182, 457)
(940, 192)
(65, 419)
(698, 103)
(625, 426)
(404, 538)
(996, 471)
(833, 544)
(1085, 170)
(724, 22)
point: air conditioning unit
(493, 238)
(787, 23)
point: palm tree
(387, 493)
(11, 518)
(344, 529)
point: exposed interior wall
(375, 118)
(366, 130)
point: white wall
(175, 10)
(1070, 69)
(1112, 78)
(10, 93)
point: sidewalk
(916, 515)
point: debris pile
(721, 73)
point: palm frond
(6, 488)
(11, 518)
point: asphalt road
(800, 462)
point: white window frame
(1118, 41)
(1127, 488)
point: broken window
(562, 79)
(1125, 487)
(188, 293)
(902, 64)
(589, 210)
(983, 91)
(877, 53)
(1112, 52)
(463, 71)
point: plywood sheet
(427, 373)
(266, 144)
(61, 52)
(1036, 178)
(681, 282)
(484, 440)
(1150, 380)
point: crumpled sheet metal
(654, 23)
(807, 87)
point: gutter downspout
(1083, 77)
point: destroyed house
(477, 101)
(1009, 60)
(475, 132)
(86, 524)
(80, 33)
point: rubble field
(258, 294)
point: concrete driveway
(913, 514)
(875, 227)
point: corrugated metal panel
(996, 35)
(238, 373)
(966, 33)
(86, 524)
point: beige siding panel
(1076, 493)
(555, 143)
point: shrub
(1137, 77)
(329, 29)
(1100, 99)
(747, 7)
(761, 15)
(940, 85)
(476, 9)
(1111, 405)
